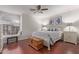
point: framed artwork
(56, 20)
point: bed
(49, 37)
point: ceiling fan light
(39, 9)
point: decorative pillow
(52, 30)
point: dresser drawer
(70, 37)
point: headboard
(55, 24)
(53, 27)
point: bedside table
(70, 37)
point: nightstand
(70, 37)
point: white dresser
(70, 37)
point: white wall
(72, 17)
(29, 25)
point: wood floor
(22, 47)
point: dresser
(70, 37)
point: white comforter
(45, 35)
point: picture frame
(56, 20)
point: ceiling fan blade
(45, 9)
(34, 12)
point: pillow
(48, 30)
(52, 30)
(55, 29)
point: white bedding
(55, 35)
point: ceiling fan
(39, 9)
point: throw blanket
(48, 36)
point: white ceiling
(67, 11)
(53, 9)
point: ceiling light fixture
(38, 9)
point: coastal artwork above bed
(56, 20)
